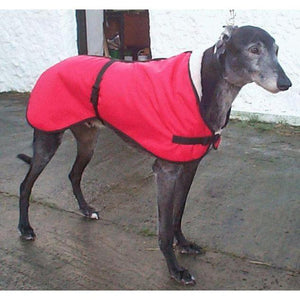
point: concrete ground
(244, 208)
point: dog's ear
(220, 46)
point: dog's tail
(25, 158)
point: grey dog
(242, 55)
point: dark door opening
(127, 34)
(81, 32)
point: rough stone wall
(30, 42)
(174, 31)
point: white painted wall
(174, 31)
(30, 42)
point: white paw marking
(94, 216)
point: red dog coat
(154, 103)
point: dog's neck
(216, 110)
(215, 93)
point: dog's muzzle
(283, 82)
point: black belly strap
(195, 140)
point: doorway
(122, 34)
(127, 34)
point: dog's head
(249, 54)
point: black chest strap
(95, 88)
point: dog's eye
(254, 50)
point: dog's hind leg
(167, 175)
(182, 187)
(86, 138)
(44, 147)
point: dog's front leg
(166, 176)
(182, 188)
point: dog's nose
(284, 84)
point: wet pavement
(244, 208)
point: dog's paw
(26, 233)
(190, 248)
(183, 276)
(95, 215)
(90, 213)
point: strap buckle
(216, 140)
(95, 94)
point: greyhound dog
(241, 55)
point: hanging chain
(231, 20)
